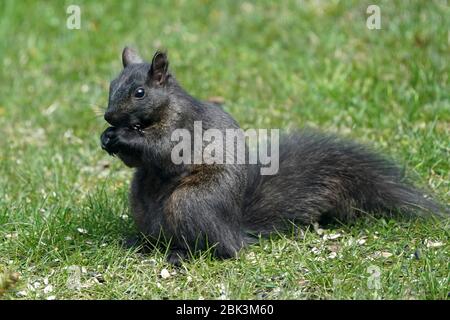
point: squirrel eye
(139, 93)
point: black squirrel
(226, 206)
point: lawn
(287, 64)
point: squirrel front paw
(107, 140)
(114, 139)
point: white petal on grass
(151, 262)
(333, 248)
(332, 255)
(433, 244)
(276, 290)
(82, 231)
(332, 236)
(303, 282)
(51, 297)
(22, 293)
(223, 292)
(74, 278)
(317, 229)
(165, 273)
(52, 108)
(251, 256)
(320, 259)
(12, 235)
(48, 289)
(361, 241)
(84, 88)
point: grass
(63, 202)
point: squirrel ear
(159, 68)
(129, 56)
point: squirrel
(227, 206)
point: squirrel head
(138, 94)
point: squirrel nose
(115, 118)
(109, 117)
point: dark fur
(320, 178)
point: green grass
(285, 65)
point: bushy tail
(323, 177)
